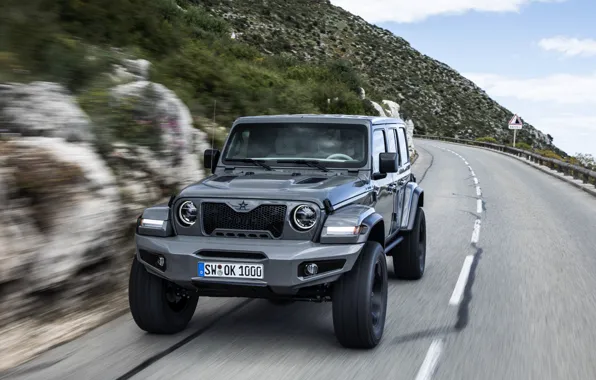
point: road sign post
(515, 123)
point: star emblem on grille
(242, 205)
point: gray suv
(298, 208)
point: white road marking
(429, 365)
(435, 350)
(462, 280)
(476, 232)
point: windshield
(332, 145)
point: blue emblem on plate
(201, 269)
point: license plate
(231, 270)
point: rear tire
(154, 305)
(360, 300)
(409, 257)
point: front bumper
(281, 260)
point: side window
(399, 152)
(392, 141)
(379, 146)
(403, 147)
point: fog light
(161, 261)
(311, 269)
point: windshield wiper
(251, 161)
(311, 163)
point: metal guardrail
(577, 172)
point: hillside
(286, 57)
(434, 96)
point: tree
(586, 160)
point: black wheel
(409, 257)
(154, 303)
(360, 300)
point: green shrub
(487, 139)
(132, 120)
(523, 145)
(70, 41)
(549, 154)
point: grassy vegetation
(487, 139)
(73, 42)
(437, 98)
(584, 160)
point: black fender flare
(414, 198)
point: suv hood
(314, 187)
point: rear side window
(392, 141)
(403, 147)
(379, 146)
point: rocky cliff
(69, 209)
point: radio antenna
(213, 129)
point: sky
(537, 58)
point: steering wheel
(340, 156)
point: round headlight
(304, 217)
(187, 213)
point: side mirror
(387, 163)
(210, 158)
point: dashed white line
(431, 360)
(476, 232)
(462, 280)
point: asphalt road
(522, 309)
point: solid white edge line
(475, 181)
(476, 232)
(462, 280)
(429, 365)
(479, 206)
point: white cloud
(557, 88)
(406, 11)
(562, 105)
(569, 46)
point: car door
(392, 146)
(402, 177)
(382, 186)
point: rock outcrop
(391, 109)
(61, 207)
(69, 209)
(43, 109)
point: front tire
(360, 300)
(409, 257)
(154, 305)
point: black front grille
(263, 218)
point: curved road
(509, 293)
